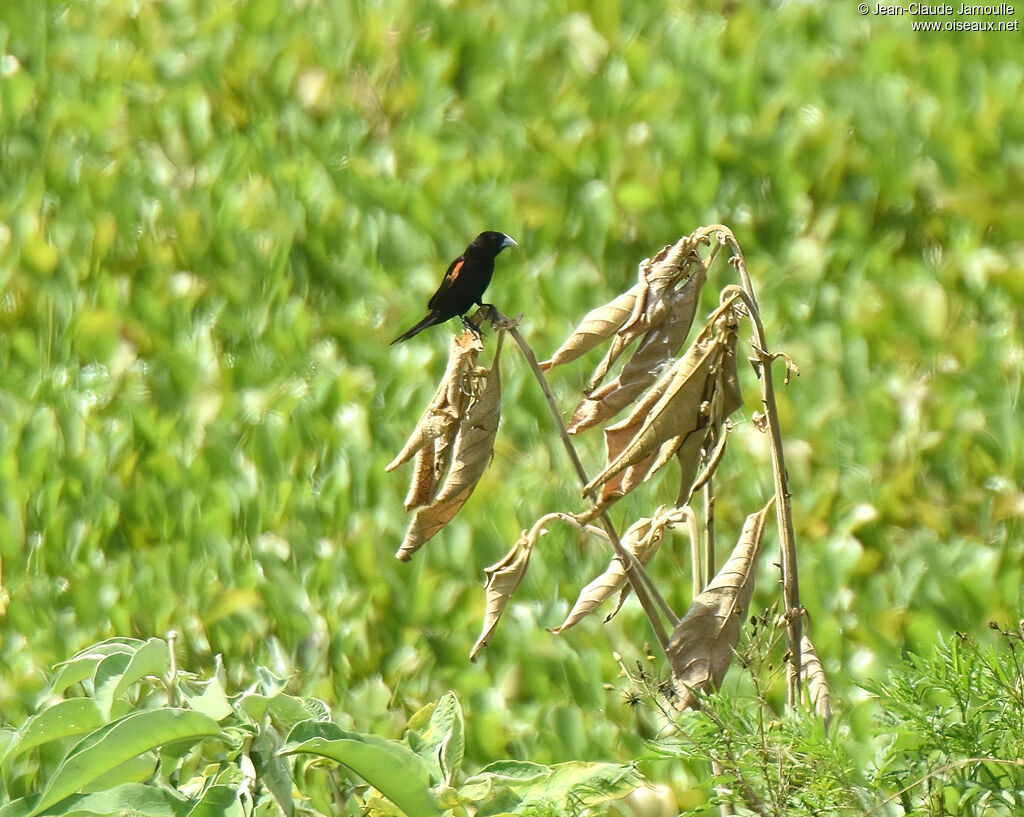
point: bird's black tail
(430, 320)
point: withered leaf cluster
(678, 417)
(659, 310)
(452, 443)
(679, 402)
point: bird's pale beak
(509, 242)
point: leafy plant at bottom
(124, 731)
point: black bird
(464, 282)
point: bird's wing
(448, 281)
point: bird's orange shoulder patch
(456, 270)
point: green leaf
(83, 664)
(118, 742)
(136, 799)
(285, 710)
(75, 716)
(565, 785)
(212, 700)
(106, 677)
(442, 743)
(513, 771)
(389, 766)
(152, 658)
(516, 776)
(585, 784)
(218, 801)
(137, 769)
(273, 770)
(8, 741)
(20, 807)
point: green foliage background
(214, 216)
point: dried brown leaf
(502, 580)
(710, 463)
(630, 314)
(642, 540)
(815, 681)
(653, 305)
(699, 391)
(701, 648)
(660, 274)
(424, 476)
(470, 454)
(597, 325)
(656, 349)
(439, 422)
(691, 455)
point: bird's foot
(472, 327)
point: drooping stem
(783, 506)
(639, 581)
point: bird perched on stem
(464, 282)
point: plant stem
(710, 568)
(793, 613)
(638, 578)
(696, 568)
